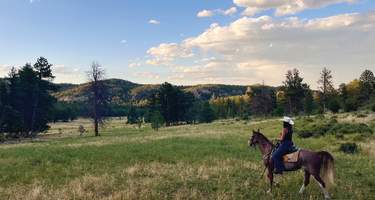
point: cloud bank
(251, 49)
(284, 7)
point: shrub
(348, 128)
(351, 105)
(157, 120)
(306, 128)
(334, 106)
(373, 108)
(349, 148)
(361, 115)
(81, 130)
(278, 111)
(339, 136)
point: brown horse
(313, 163)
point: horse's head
(254, 138)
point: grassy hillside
(118, 89)
(122, 90)
(207, 161)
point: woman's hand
(276, 140)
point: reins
(265, 160)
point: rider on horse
(286, 144)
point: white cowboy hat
(288, 120)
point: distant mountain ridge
(124, 91)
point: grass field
(206, 161)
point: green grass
(207, 161)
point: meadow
(205, 161)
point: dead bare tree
(97, 98)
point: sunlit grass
(206, 161)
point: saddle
(291, 157)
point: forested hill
(123, 91)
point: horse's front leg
(270, 178)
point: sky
(188, 42)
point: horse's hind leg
(306, 181)
(322, 186)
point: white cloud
(62, 73)
(205, 13)
(165, 53)
(209, 13)
(154, 21)
(4, 70)
(147, 75)
(123, 41)
(242, 49)
(250, 11)
(284, 7)
(134, 64)
(66, 74)
(230, 11)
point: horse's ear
(258, 130)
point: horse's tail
(328, 168)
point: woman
(285, 146)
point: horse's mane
(264, 138)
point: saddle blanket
(291, 157)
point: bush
(348, 128)
(307, 128)
(351, 105)
(334, 106)
(157, 120)
(349, 148)
(278, 111)
(373, 108)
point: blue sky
(118, 34)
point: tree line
(27, 106)
(295, 97)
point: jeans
(277, 155)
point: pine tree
(294, 91)
(367, 81)
(43, 68)
(206, 114)
(326, 86)
(308, 102)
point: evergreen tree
(157, 120)
(367, 81)
(326, 86)
(173, 103)
(43, 68)
(334, 105)
(294, 91)
(132, 115)
(263, 101)
(3, 105)
(308, 104)
(206, 114)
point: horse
(319, 165)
